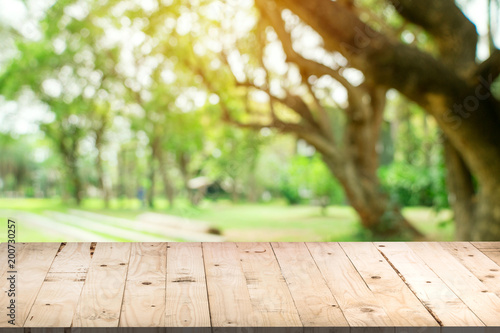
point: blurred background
(196, 120)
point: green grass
(245, 222)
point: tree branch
(488, 69)
(324, 119)
(419, 76)
(456, 36)
(273, 16)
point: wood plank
(493, 255)
(486, 305)
(228, 295)
(356, 300)
(56, 302)
(487, 245)
(446, 306)
(485, 269)
(144, 298)
(33, 263)
(100, 302)
(258, 287)
(490, 249)
(399, 302)
(315, 303)
(187, 296)
(73, 258)
(267, 288)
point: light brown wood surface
(399, 302)
(485, 269)
(187, 295)
(56, 302)
(231, 287)
(229, 297)
(267, 288)
(434, 293)
(101, 298)
(144, 296)
(484, 303)
(357, 301)
(32, 264)
(315, 303)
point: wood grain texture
(187, 296)
(485, 269)
(101, 299)
(255, 287)
(493, 254)
(487, 245)
(267, 288)
(144, 297)
(315, 303)
(228, 295)
(356, 300)
(446, 306)
(33, 263)
(399, 302)
(485, 304)
(58, 296)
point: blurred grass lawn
(242, 222)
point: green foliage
(410, 185)
(112, 106)
(307, 178)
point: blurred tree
(234, 159)
(319, 70)
(308, 178)
(73, 76)
(448, 83)
(297, 103)
(17, 168)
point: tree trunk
(121, 173)
(77, 188)
(157, 153)
(452, 87)
(101, 175)
(167, 185)
(69, 152)
(487, 215)
(151, 189)
(99, 140)
(76, 183)
(234, 191)
(461, 192)
(183, 162)
(376, 212)
(252, 192)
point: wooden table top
(390, 285)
